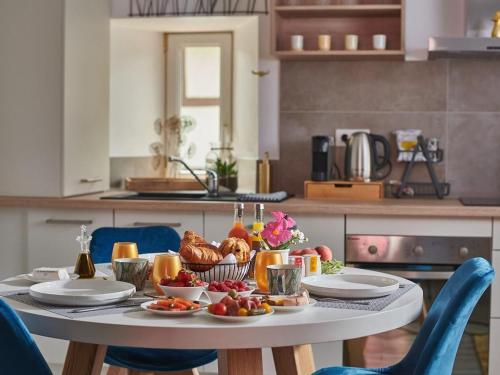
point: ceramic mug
(284, 279)
(132, 270)
(324, 42)
(351, 42)
(297, 42)
(379, 42)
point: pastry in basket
(236, 246)
(198, 253)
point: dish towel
(368, 304)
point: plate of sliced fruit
(173, 306)
(239, 309)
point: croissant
(191, 237)
(238, 247)
(200, 254)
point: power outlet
(339, 133)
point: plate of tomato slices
(173, 306)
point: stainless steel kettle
(362, 160)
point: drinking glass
(123, 250)
(263, 259)
(165, 265)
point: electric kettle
(362, 160)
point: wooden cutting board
(143, 184)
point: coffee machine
(322, 153)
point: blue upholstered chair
(18, 352)
(435, 348)
(149, 240)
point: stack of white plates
(82, 292)
(350, 285)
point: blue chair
(435, 348)
(19, 353)
(149, 240)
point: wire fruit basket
(219, 272)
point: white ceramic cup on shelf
(351, 42)
(324, 42)
(297, 42)
(379, 42)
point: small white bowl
(216, 297)
(192, 293)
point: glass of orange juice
(165, 265)
(263, 259)
(124, 250)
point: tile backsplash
(457, 101)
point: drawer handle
(151, 224)
(90, 180)
(69, 221)
(343, 186)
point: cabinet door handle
(69, 221)
(151, 224)
(90, 180)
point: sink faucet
(212, 185)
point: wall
(456, 101)
(137, 90)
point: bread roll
(238, 247)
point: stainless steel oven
(429, 261)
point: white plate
(240, 319)
(350, 285)
(312, 302)
(82, 292)
(145, 305)
(30, 277)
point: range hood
(465, 47)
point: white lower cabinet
(494, 358)
(180, 221)
(52, 234)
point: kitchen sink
(184, 195)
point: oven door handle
(417, 275)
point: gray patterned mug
(284, 279)
(132, 270)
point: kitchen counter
(391, 207)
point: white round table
(239, 344)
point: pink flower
(281, 216)
(276, 232)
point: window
(199, 70)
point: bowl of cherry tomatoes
(185, 285)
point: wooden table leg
(293, 360)
(240, 362)
(84, 359)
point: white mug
(351, 42)
(324, 42)
(379, 42)
(297, 42)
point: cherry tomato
(220, 309)
(266, 307)
(242, 312)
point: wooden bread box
(367, 191)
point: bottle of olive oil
(84, 263)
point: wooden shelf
(365, 20)
(339, 10)
(341, 55)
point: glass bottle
(238, 230)
(84, 264)
(257, 227)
